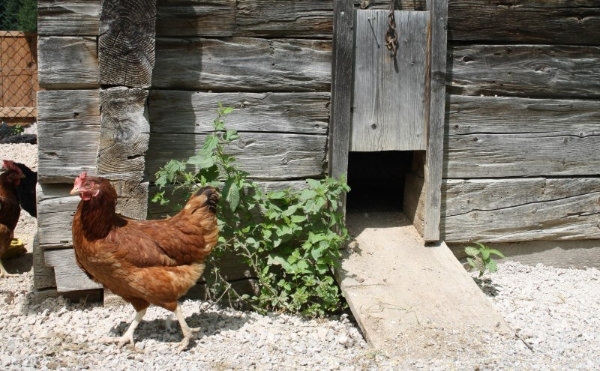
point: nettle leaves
(290, 239)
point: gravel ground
(555, 315)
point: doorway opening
(377, 180)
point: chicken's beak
(74, 191)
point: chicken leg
(128, 335)
(185, 329)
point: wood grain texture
(67, 62)
(341, 90)
(124, 133)
(68, 133)
(68, 17)
(178, 18)
(126, 42)
(69, 277)
(172, 111)
(533, 71)
(525, 21)
(508, 137)
(242, 64)
(55, 214)
(277, 18)
(265, 156)
(434, 157)
(508, 210)
(389, 110)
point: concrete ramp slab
(408, 297)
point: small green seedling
(480, 257)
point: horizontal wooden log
(490, 137)
(534, 71)
(69, 277)
(55, 215)
(67, 62)
(186, 112)
(277, 18)
(265, 156)
(509, 210)
(525, 21)
(68, 17)
(192, 18)
(242, 64)
(68, 134)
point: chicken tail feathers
(212, 197)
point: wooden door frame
(341, 105)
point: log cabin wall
(522, 111)
(522, 156)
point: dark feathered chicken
(26, 188)
(10, 178)
(144, 261)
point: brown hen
(10, 178)
(143, 261)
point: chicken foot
(185, 329)
(128, 335)
(4, 273)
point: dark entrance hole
(377, 180)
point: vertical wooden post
(126, 55)
(341, 87)
(435, 146)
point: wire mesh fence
(18, 77)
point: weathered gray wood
(525, 21)
(126, 42)
(124, 133)
(507, 210)
(507, 137)
(242, 64)
(55, 215)
(181, 112)
(385, 4)
(341, 89)
(193, 18)
(68, 133)
(533, 71)
(69, 277)
(434, 160)
(266, 156)
(68, 17)
(390, 94)
(67, 62)
(277, 18)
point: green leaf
(201, 160)
(231, 193)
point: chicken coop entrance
(388, 108)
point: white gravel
(555, 314)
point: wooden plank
(508, 210)
(68, 17)
(385, 4)
(401, 290)
(284, 18)
(68, 133)
(507, 137)
(265, 156)
(390, 94)
(181, 112)
(126, 42)
(67, 62)
(341, 89)
(533, 71)
(434, 159)
(69, 277)
(177, 18)
(243, 64)
(55, 214)
(525, 21)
